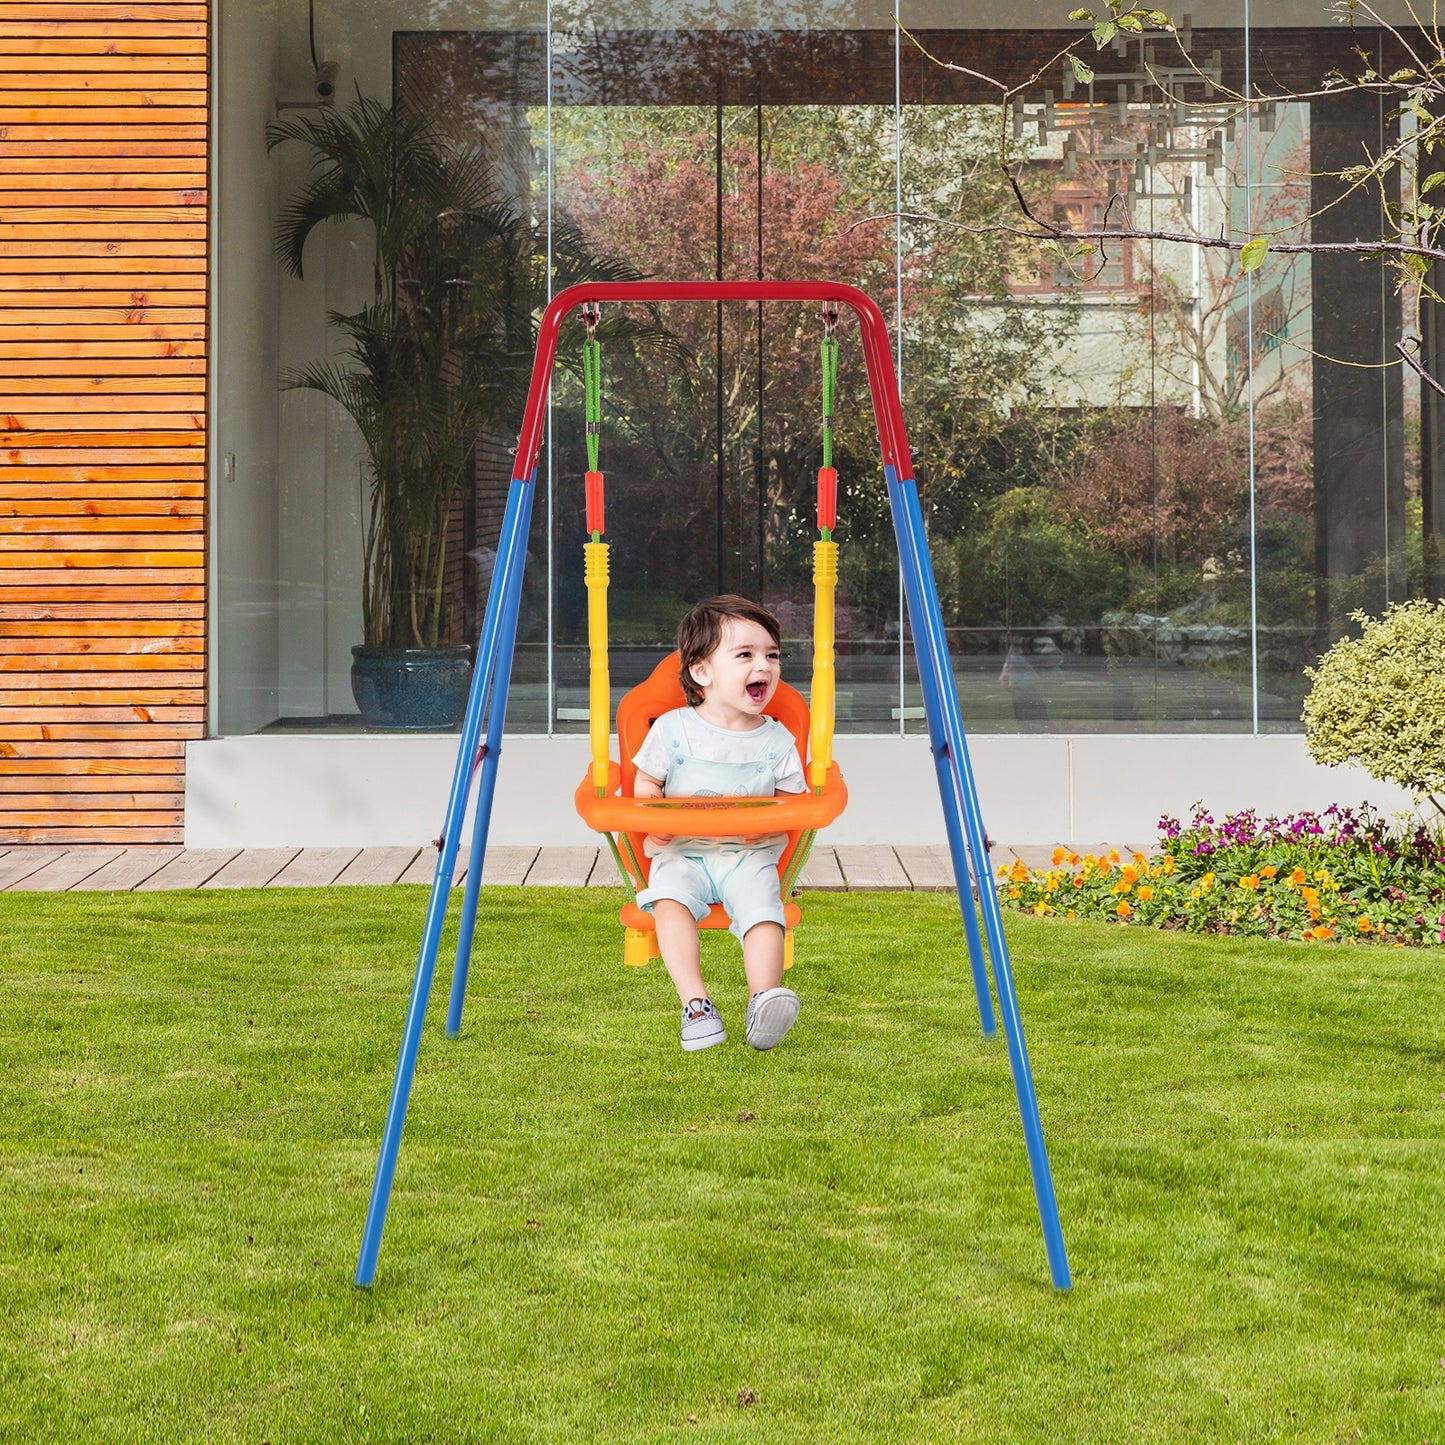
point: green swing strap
(830, 393)
(592, 385)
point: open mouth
(757, 691)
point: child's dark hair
(699, 633)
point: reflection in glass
(1155, 485)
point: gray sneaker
(771, 1013)
(701, 1025)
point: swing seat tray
(712, 818)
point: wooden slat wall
(103, 203)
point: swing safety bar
(968, 845)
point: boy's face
(739, 677)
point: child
(721, 745)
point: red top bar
(887, 409)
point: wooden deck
(56, 869)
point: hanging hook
(830, 317)
(591, 315)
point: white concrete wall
(314, 791)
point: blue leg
(435, 916)
(947, 788)
(961, 878)
(930, 642)
(491, 759)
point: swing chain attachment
(591, 315)
(829, 314)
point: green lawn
(596, 1237)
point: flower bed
(1340, 875)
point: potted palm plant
(441, 354)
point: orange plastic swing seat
(796, 814)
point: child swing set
(604, 797)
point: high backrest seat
(660, 693)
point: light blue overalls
(698, 872)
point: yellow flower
(1078, 880)
(1249, 882)
(1168, 864)
(1145, 892)
(1123, 910)
(1041, 908)
(1120, 888)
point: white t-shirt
(693, 759)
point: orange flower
(1130, 873)
(1123, 910)
(1072, 913)
(1297, 877)
(1168, 864)
(1113, 855)
(1058, 856)
(1072, 860)
(1250, 881)
(1320, 932)
(1013, 893)
(1144, 892)
(1364, 924)
(1268, 871)
(1140, 859)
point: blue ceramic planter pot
(411, 688)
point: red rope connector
(827, 498)
(594, 502)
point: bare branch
(1407, 355)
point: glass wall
(1156, 484)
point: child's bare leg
(681, 953)
(762, 956)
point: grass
(596, 1237)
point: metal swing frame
(479, 755)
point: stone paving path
(56, 869)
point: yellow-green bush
(1378, 700)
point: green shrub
(1378, 700)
